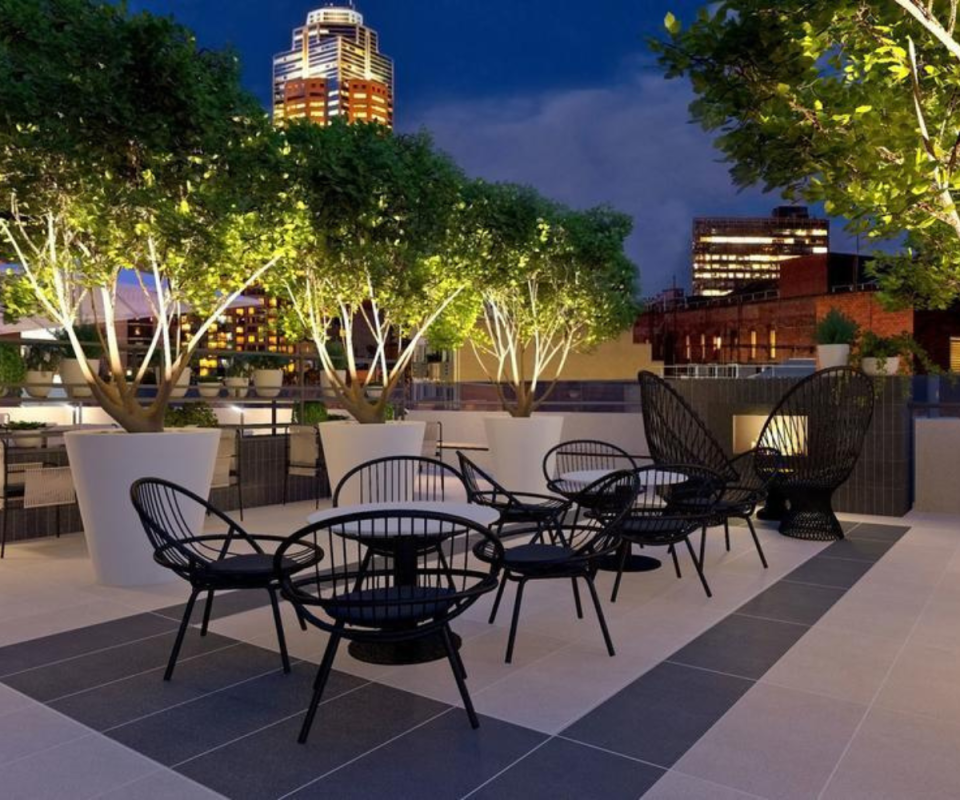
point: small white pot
(878, 367)
(268, 382)
(327, 385)
(29, 442)
(237, 387)
(209, 390)
(517, 448)
(104, 464)
(72, 376)
(347, 445)
(38, 382)
(183, 382)
(832, 355)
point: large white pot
(832, 355)
(72, 376)
(347, 445)
(209, 390)
(268, 382)
(104, 464)
(38, 382)
(236, 387)
(877, 367)
(517, 448)
(183, 382)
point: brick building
(774, 324)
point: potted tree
(557, 281)
(41, 363)
(835, 333)
(172, 183)
(375, 259)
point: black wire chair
(395, 479)
(819, 426)
(419, 578)
(573, 552)
(676, 435)
(215, 562)
(581, 455)
(544, 511)
(674, 501)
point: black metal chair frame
(573, 552)
(196, 558)
(582, 454)
(830, 438)
(347, 594)
(400, 479)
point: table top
(480, 515)
(445, 445)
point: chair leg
(458, 673)
(178, 642)
(676, 561)
(576, 597)
(726, 533)
(206, 613)
(703, 545)
(281, 639)
(319, 684)
(240, 498)
(300, 618)
(516, 619)
(603, 621)
(756, 541)
(699, 566)
(624, 554)
(496, 602)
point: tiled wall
(880, 483)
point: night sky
(564, 96)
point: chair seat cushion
(537, 554)
(390, 605)
(250, 565)
(654, 530)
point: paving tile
(659, 716)
(792, 602)
(69, 644)
(35, 728)
(896, 756)
(858, 549)
(870, 530)
(840, 573)
(740, 645)
(565, 769)
(776, 743)
(677, 786)
(195, 727)
(12, 700)
(125, 700)
(225, 604)
(164, 784)
(98, 668)
(270, 762)
(451, 759)
(924, 681)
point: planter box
(517, 449)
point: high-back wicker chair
(579, 455)
(818, 427)
(397, 479)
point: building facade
(730, 253)
(334, 68)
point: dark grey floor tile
(48, 649)
(793, 602)
(445, 758)
(187, 730)
(858, 549)
(840, 573)
(225, 604)
(562, 769)
(270, 762)
(739, 645)
(147, 693)
(870, 530)
(660, 715)
(104, 666)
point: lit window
(753, 345)
(773, 343)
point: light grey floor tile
(164, 784)
(924, 681)
(677, 786)
(35, 728)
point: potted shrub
(268, 374)
(237, 378)
(171, 183)
(41, 363)
(556, 281)
(835, 334)
(880, 355)
(315, 413)
(72, 373)
(191, 415)
(26, 441)
(209, 385)
(12, 368)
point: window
(687, 347)
(955, 353)
(753, 345)
(703, 346)
(773, 344)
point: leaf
(671, 23)
(863, 109)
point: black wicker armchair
(212, 562)
(819, 427)
(582, 455)
(395, 479)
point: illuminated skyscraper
(731, 252)
(334, 68)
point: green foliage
(42, 358)
(191, 414)
(338, 356)
(874, 346)
(210, 377)
(314, 413)
(836, 328)
(26, 425)
(267, 362)
(238, 368)
(89, 338)
(12, 368)
(821, 99)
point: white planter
(38, 382)
(347, 445)
(877, 367)
(268, 382)
(209, 390)
(104, 464)
(72, 376)
(327, 386)
(183, 382)
(832, 355)
(27, 442)
(517, 447)
(237, 387)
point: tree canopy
(850, 103)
